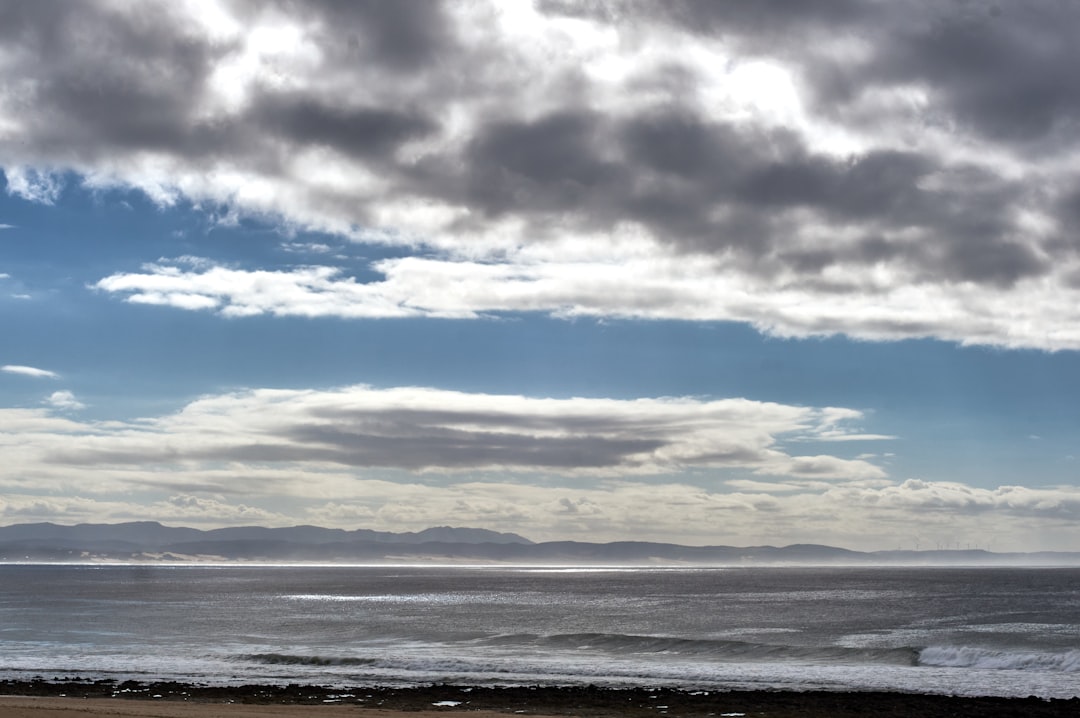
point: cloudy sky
(712, 273)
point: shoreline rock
(590, 701)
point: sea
(953, 631)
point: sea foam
(972, 657)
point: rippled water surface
(991, 631)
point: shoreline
(42, 699)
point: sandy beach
(67, 699)
(35, 707)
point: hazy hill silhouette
(151, 541)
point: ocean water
(970, 631)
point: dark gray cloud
(107, 80)
(1000, 69)
(714, 186)
(400, 421)
(368, 133)
(418, 429)
(551, 165)
(433, 105)
(103, 79)
(1003, 70)
(407, 36)
(682, 144)
(772, 19)
(449, 450)
(456, 449)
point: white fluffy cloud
(32, 184)
(678, 469)
(177, 509)
(950, 498)
(429, 430)
(29, 371)
(64, 400)
(1035, 313)
(885, 517)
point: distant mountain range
(147, 541)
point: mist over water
(985, 631)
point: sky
(707, 273)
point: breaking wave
(717, 649)
(286, 659)
(988, 658)
(627, 646)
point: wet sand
(75, 698)
(19, 707)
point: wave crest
(287, 659)
(715, 648)
(971, 657)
